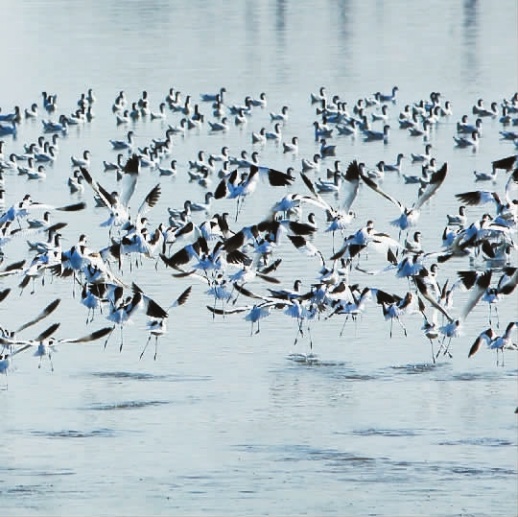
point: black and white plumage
(44, 343)
(409, 216)
(157, 316)
(496, 342)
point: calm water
(224, 423)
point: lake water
(225, 423)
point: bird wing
(423, 290)
(272, 267)
(98, 334)
(511, 186)
(43, 314)
(476, 197)
(47, 333)
(4, 294)
(319, 200)
(235, 310)
(129, 178)
(13, 268)
(374, 186)
(483, 337)
(182, 298)
(267, 278)
(245, 292)
(103, 194)
(275, 177)
(74, 207)
(481, 284)
(435, 182)
(152, 308)
(352, 179)
(506, 163)
(150, 200)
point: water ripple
(416, 369)
(333, 369)
(482, 442)
(140, 376)
(72, 433)
(302, 452)
(446, 470)
(130, 404)
(384, 432)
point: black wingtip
(132, 165)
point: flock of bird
(314, 214)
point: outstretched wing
(483, 337)
(49, 309)
(352, 184)
(182, 298)
(481, 284)
(435, 182)
(320, 201)
(150, 200)
(47, 333)
(374, 186)
(423, 290)
(101, 192)
(98, 334)
(129, 178)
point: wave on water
(130, 404)
(141, 376)
(481, 442)
(385, 432)
(416, 368)
(73, 433)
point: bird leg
(433, 356)
(310, 339)
(343, 326)
(446, 350)
(402, 326)
(109, 336)
(145, 346)
(156, 348)
(440, 347)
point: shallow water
(225, 423)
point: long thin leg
(145, 346)
(433, 355)
(237, 208)
(447, 349)
(156, 347)
(343, 326)
(310, 338)
(296, 336)
(402, 326)
(122, 339)
(108, 338)
(440, 347)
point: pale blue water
(224, 423)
